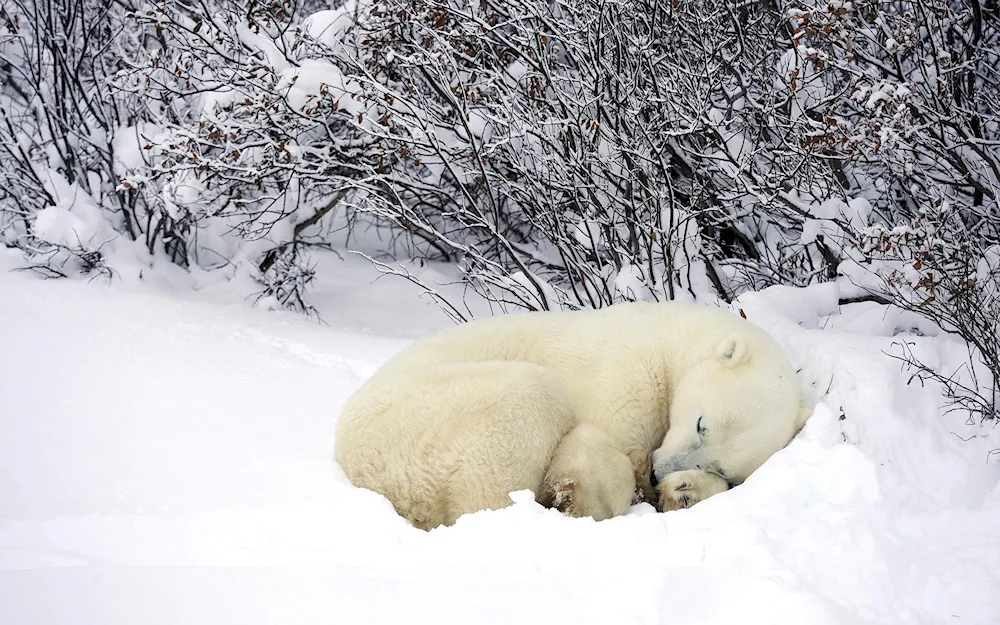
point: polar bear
(571, 406)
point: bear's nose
(652, 478)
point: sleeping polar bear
(571, 405)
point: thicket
(563, 154)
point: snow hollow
(168, 459)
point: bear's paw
(683, 489)
(559, 495)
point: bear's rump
(454, 439)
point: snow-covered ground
(168, 459)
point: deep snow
(168, 459)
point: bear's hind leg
(589, 476)
(507, 437)
(447, 440)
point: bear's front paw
(683, 489)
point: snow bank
(167, 460)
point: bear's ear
(733, 350)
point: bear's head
(732, 410)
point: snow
(533, 288)
(330, 27)
(306, 82)
(73, 221)
(630, 284)
(587, 232)
(58, 225)
(167, 458)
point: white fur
(569, 405)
